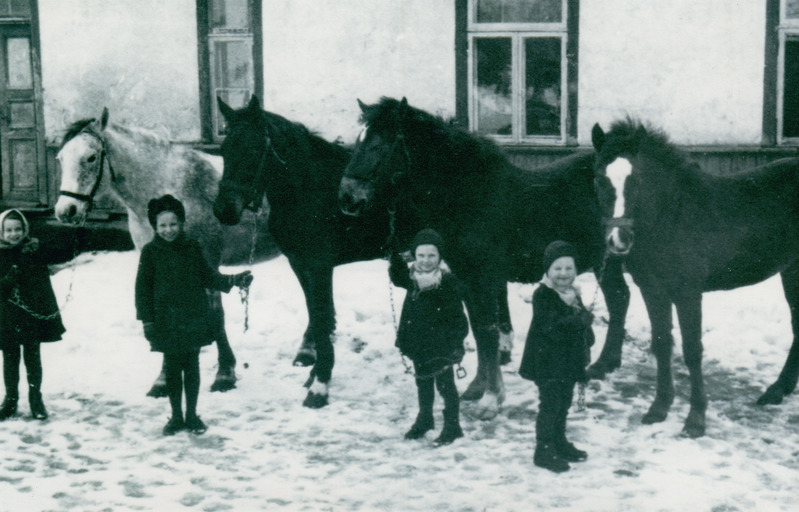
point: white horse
(134, 166)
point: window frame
(468, 30)
(206, 38)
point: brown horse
(683, 232)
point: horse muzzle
(620, 236)
(353, 197)
(71, 211)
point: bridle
(254, 194)
(399, 140)
(89, 198)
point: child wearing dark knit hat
(556, 353)
(172, 304)
(431, 331)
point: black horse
(496, 219)
(683, 232)
(299, 172)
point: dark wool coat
(558, 343)
(35, 293)
(432, 325)
(171, 293)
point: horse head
(380, 157)
(615, 185)
(82, 157)
(247, 152)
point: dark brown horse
(684, 232)
(299, 173)
(496, 219)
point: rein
(89, 198)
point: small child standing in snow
(556, 353)
(431, 331)
(28, 311)
(172, 304)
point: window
(231, 61)
(521, 64)
(788, 73)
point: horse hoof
(223, 384)
(598, 370)
(470, 395)
(315, 401)
(304, 359)
(770, 397)
(651, 417)
(157, 391)
(504, 357)
(693, 431)
(488, 407)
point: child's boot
(547, 457)
(9, 407)
(452, 426)
(174, 425)
(38, 410)
(568, 452)
(195, 425)
(424, 422)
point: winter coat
(558, 343)
(432, 325)
(171, 293)
(30, 288)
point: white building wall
(320, 56)
(694, 68)
(136, 57)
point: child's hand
(12, 275)
(242, 279)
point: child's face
(168, 226)
(13, 231)
(427, 257)
(562, 271)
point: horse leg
(487, 385)
(689, 313)
(306, 354)
(506, 334)
(786, 382)
(322, 324)
(226, 362)
(659, 308)
(617, 298)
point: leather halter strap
(89, 198)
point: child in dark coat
(556, 353)
(172, 303)
(431, 331)
(29, 312)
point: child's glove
(31, 246)
(242, 279)
(149, 331)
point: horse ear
(598, 137)
(363, 106)
(403, 107)
(104, 119)
(227, 112)
(254, 103)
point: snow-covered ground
(102, 448)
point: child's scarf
(5, 244)
(570, 295)
(428, 280)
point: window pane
(23, 163)
(790, 107)
(542, 85)
(792, 9)
(18, 65)
(20, 8)
(232, 61)
(230, 15)
(494, 85)
(519, 11)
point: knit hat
(558, 249)
(166, 203)
(428, 236)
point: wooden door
(23, 176)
